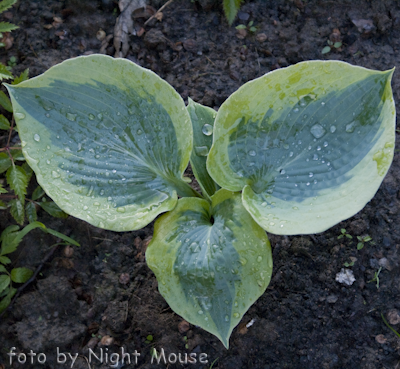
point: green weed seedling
(362, 240)
(331, 45)
(250, 27)
(18, 176)
(10, 239)
(348, 264)
(376, 277)
(4, 28)
(293, 152)
(344, 234)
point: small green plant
(149, 339)
(12, 62)
(362, 240)
(10, 239)
(18, 176)
(250, 27)
(331, 45)
(287, 153)
(344, 234)
(5, 27)
(376, 277)
(348, 264)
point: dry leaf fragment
(140, 32)
(159, 16)
(183, 326)
(7, 40)
(124, 25)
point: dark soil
(305, 319)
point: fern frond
(6, 4)
(7, 27)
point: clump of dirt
(102, 296)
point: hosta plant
(293, 152)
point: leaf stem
(11, 148)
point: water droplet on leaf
(350, 127)
(71, 117)
(317, 130)
(19, 115)
(55, 174)
(201, 150)
(36, 137)
(207, 129)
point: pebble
(393, 317)
(345, 276)
(331, 299)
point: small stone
(68, 251)
(364, 26)
(137, 241)
(331, 299)
(241, 34)
(190, 45)
(183, 326)
(380, 338)
(153, 38)
(243, 16)
(384, 263)
(345, 276)
(242, 329)
(107, 341)
(261, 37)
(335, 36)
(124, 278)
(393, 317)
(100, 35)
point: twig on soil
(31, 279)
(102, 239)
(209, 60)
(158, 11)
(86, 360)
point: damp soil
(103, 296)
